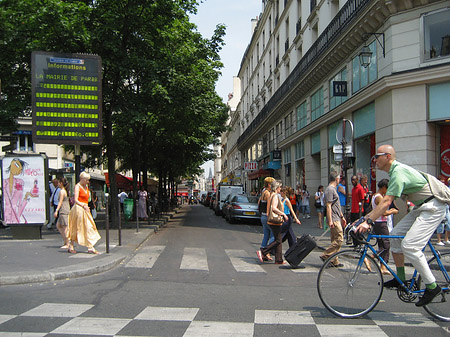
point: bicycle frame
(407, 288)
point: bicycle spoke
(440, 306)
(351, 290)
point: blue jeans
(268, 237)
(305, 210)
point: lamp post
(366, 54)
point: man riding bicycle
(417, 226)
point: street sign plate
(338, 148)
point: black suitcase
(304, 245)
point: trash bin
(128, 208)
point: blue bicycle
(354, 288)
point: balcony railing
(313, 4)
(340, 23)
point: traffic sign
(339, 149)
(344, 132)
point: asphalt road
(199, 276)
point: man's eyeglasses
(380, 154)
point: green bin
(128, 208)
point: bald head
(387, 149)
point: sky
(236, 15)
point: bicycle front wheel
(440, 306)
(353, 289)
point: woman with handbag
(262, 206)
(275, 218)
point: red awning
(260, 173)
(123, 182)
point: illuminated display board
(66, 98)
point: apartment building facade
(303, 72)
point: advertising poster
(24, 185)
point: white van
(222, 192)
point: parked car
(208, 199)
(242, 207)
(212, 202)
(225, 204)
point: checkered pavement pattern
(68, 319)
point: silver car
(242, 207)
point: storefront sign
(276, 155)
(66, 98)
(250, 166)
(340, 88)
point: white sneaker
(440, 244)
(447, 242)
(308, 216)
(304, 217)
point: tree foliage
(160, 108)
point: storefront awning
(123, 182)
(272, 165)
(259, 173)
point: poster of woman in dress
(23, 187)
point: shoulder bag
(273, 218)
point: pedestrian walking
(335, 219)
(82, 228)
(62, 211)
(262, 206)
(319, 204)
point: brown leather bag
(273, 218)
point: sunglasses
(380, 154)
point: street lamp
(366, 54)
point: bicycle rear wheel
(349, 291)
(440, 306)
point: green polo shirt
(407, 181)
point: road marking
(92, 326)
(283, 317)
(242, 262)
(194, 259)
(401, 319)
(350, 330)
(58, 310)
(219, 329)
(146, 258)
(168, 314)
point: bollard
(120, 224)
(137, 217)
(107, 223)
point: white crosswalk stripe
(194, 259)
(242, 262)
(146, 258)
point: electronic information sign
(66, 98)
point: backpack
(438, 189)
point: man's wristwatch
(369, 221)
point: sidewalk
(30, 261)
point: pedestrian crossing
(194, 258)
(77, 320)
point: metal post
(107, 222)
(120, 224)
(137, 217)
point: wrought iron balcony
(339, 24)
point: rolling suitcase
(304, 245)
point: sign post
(344, 135)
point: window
(279, 133)
(271, 140)
(317, 104)
(299, 150)
(363, 76)
(287, 155)
(436, 27)
(337, 100)
(288, 125)
(265, 145)
(24, 141)
(301, 116)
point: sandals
(93, 251)
(71, 251)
